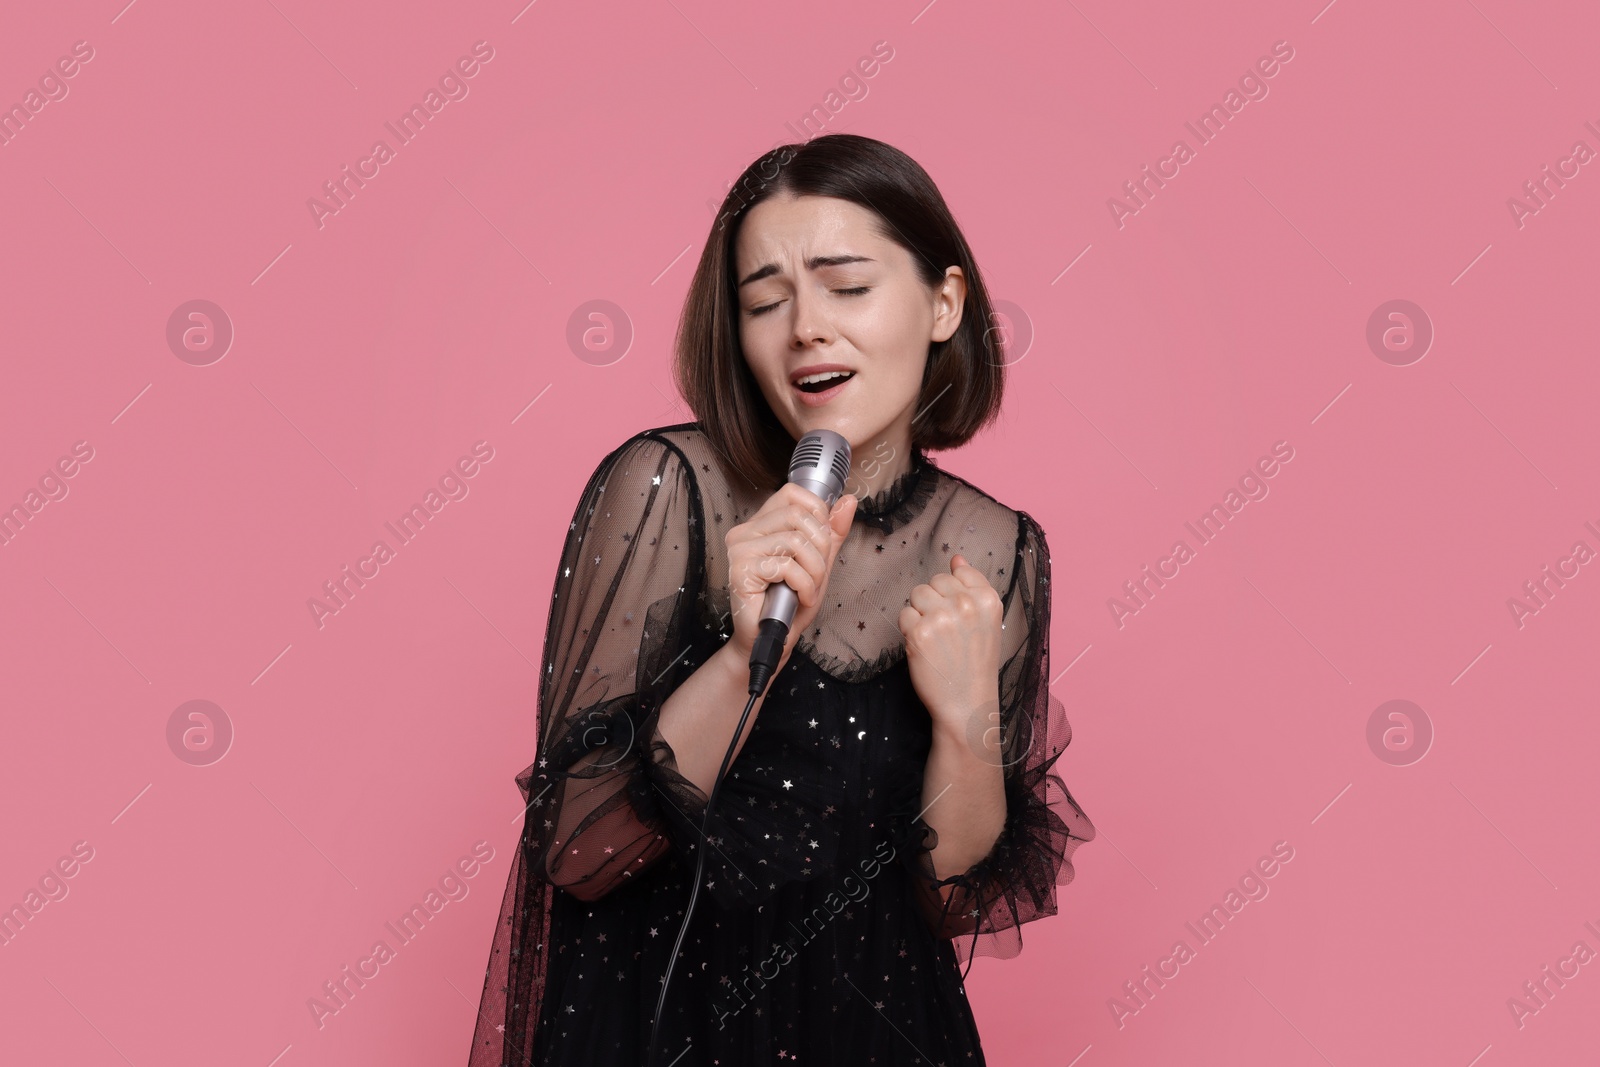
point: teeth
(811, 379)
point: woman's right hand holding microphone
(793, 539)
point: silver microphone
(820, 463)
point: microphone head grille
(821, 460)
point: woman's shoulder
(681, 444)
(1014, 532)
(648, 476)
(670, 449)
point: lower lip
(818, 399)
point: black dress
(820, 934)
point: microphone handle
(781, 601)
(779, 606)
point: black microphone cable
(820, 463)
(768, 649)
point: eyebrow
(769, 269)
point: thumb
(840, 518)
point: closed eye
(858, 291)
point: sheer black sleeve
(1016, 882)
(629, 574)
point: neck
(875, 466)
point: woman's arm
(994, 880)
(619, 620)
(697, 720)
(964, 797)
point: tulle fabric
(827, 785)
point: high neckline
(901, 498)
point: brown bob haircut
(965, 375)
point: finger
(759, 554)
(801, 581)
(844, 513)
(925, 598)
(948, 584)
(800, 496)
(967, 573)
(906, 620)
(776, 570)
(786, 516)
(790, 519)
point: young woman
(892, 807)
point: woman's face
(819, 288)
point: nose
(810, 318)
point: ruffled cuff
(1015, 882)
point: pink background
(432, 312)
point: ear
(950, 299)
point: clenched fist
(952, 632)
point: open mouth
(821, 383)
